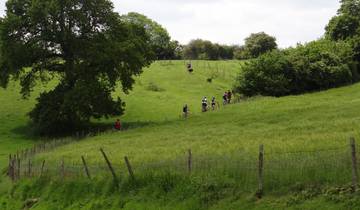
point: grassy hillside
(305, 139)
(309, 122)
(14, 132)
(312, 122)
(144, 105)
(176, 88)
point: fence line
(263, 171)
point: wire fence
(269, 171)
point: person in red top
(117, 125)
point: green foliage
(317, 65)
(355, 43)
(47, 114)
(175, 51)
(160, 39)
(265, 75)
(342, 27)
(351, 7)
(259, 43)
(346, 26)
(199, 49)
(84, 44)
(241, 53)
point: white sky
(230, 21)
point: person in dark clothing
(190, 68)
(213, 103)
(185, 110)
(204, 104)
(229, 95)
(225, 100)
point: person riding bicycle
(204, 104)
(229, 96)
(185, 110)
(225, 100)
(213, 103)
(190, 68)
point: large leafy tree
(259, 43)
(346, 26)
(83, 45)
(160, 39)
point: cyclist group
(205, 106)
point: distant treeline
(255, 45)
(198, 49)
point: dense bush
(317, 65)
(265, 75)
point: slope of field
(163, 89)
(14, 132)
(145, 103)
(309, 122)
(305, 139)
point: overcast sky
(230, 21)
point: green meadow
(306, 140)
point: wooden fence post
(260, 191)
(42, 168)
(189, 161)
(62, 169)
(355, 174)
(29, 168)
(14, 167)
(86, 167)
(109, 165)
(10, 166)
(128, 165)
(18, 168)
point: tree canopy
(259, 43)
(206, 50)
(159, 36)
(346, 26)
(84, 45)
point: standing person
(185, 111)
(204, 104)
(225, 100)
(213, 103)
(117, 125)
(190, 68)
(229, 95)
